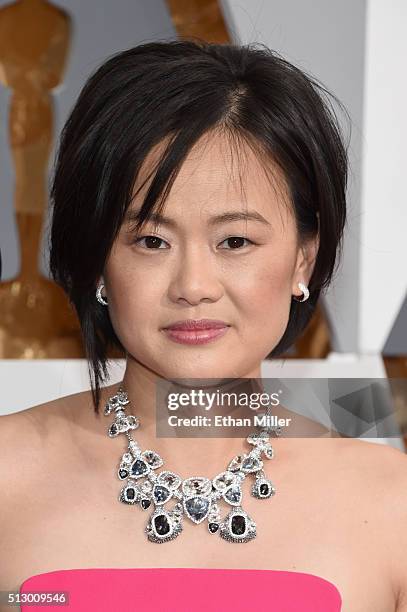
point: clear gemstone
(121, 424)
(134, 447)
(146, 487)
(236, 463)
(258, 438)
(122, 398)
(198, 485)
(113, 403)
(268, 451)
(169, 479)
(133, 422)
(224, 480)
(152, 458)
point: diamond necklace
(195, 497)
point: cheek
(263, 295)
(134, 298)
(266, 289)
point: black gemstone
(123, 474)
(238, 524)
(138, 468)
(145, 503)
(130, 493)
(113, 428)
(161, 524)
(264, 489)
(213, 527)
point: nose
(195, 278)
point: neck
(208, 451)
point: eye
(151, 243)
(235, 242)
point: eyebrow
(226, 217)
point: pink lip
(196, 332)
(197, 324)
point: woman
(198, 181)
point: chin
(214, 374)
(204, 382)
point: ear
(307, 254)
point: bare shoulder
(35, 422)
(26, 439)
(27, 435)
(362, 459)
(380, 468)
(394, 474)
(50, 417)
(383, 475)
(367, 452)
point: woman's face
(242, 271)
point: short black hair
(179, 90)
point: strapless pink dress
(185, 590)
